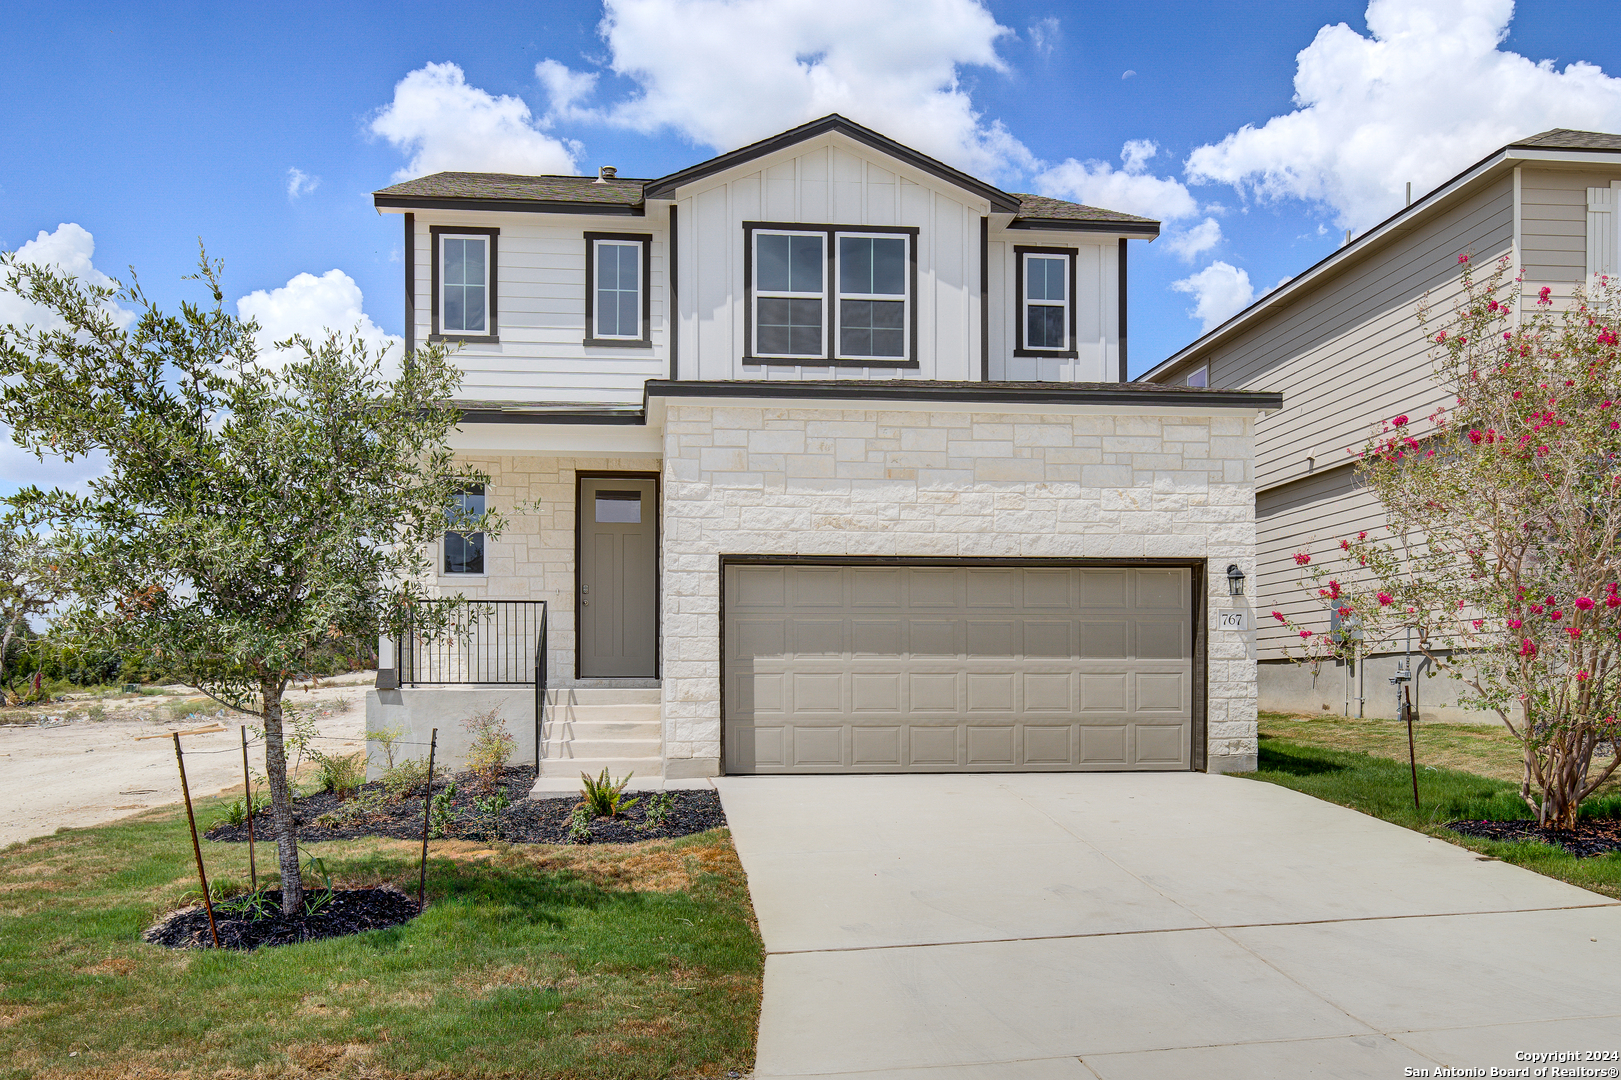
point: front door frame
(580, 476)
(1199, 738)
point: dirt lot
(60, 766)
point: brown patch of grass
(113, 965)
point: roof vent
(606, 173)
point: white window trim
(596, 315)
(1202, 373)
(443, 284)
(808, 359)
(1067, 262)
(906, 296)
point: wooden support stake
(196, 848)
(247, 795)
(1412, 753)
(427, 809)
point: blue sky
(151, 126)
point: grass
(1380, 785)
(606, 961)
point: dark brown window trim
(646, 340)
(1199, 750)
(1121, 269)
(985, 299)
(410, 254)
(672, 310)
(658, 562)
(434, 233)
(1019, 348)
(829, 356)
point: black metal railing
(487, 642)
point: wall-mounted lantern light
(1235, 580)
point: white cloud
(1189, 243)
(445, 124)
(68, 250)
(1220, 291)
(1427, 93)
(300, 182)
(1045, 34)
(1130, 189)
(565, 90)
(311, 305)
(724, 73)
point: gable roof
(1551, 145)
(665, 187)
(623, 196)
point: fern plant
(603, 797)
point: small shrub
(439, 822)
(604, 798)
(492, 745)
(340, 774)
(387, 738)
(180, 710)
(489, 814)
(405, 779)
(98, 712)
(236, 813)
(656, 814)
(579, 824)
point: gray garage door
(945, 668)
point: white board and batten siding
(540, 292)
(833, 181)
(1097, 308)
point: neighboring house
(1342, 343)
(820, 457)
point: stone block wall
(831, 481)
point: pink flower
(1304, 634)
(1441, 338)
(1573, 632)
(1581, 676)
(1333, 589)
(1528, 647)
(1584, 603)
(1385, 599)
(1556, 615)
(1476, 437)
(1302, 558)
(1544, 296)
(1478, 623)
(1345, 545)
(1615, 425)
(1400, 420)
(1612, 601)
(1278, 615)
(1514, 624)
(1361, 536)
(1463, 258)
(1607, 336)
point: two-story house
(1342, 342)
(827, 462)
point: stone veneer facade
(1003, 481)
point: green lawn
(1382, 787)
(541, 961)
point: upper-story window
(831, 294)
(1199, 376)
(1046, 324)
(618, 306)
(464, 551)
(464, 283)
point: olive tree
(1503, 518)
(253, 512)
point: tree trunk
(281, 798)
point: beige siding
(1553, 223)
(540, 295)
(1308, 515)
(1349, 352)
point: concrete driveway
(1059, 927)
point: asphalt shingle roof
(511, 187)
(1042, 208)
(1568, 139)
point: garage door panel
(841, 668)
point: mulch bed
(349, 911)
(526, 821)
(1591, 836)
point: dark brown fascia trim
(508, 206)
(646, 340)
(1126, 228)
(665, 187)
(919, 390)
(1019, 349)
(1121, 267)
(410, 285)
(578, 416)
(672, 306)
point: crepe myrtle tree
(1500, 553)
(251, 513)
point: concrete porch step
(558, 787)
(616, 727)
(589, 695)
(606, 749)
(644, 768)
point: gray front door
(618, 585)
(942, 668)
